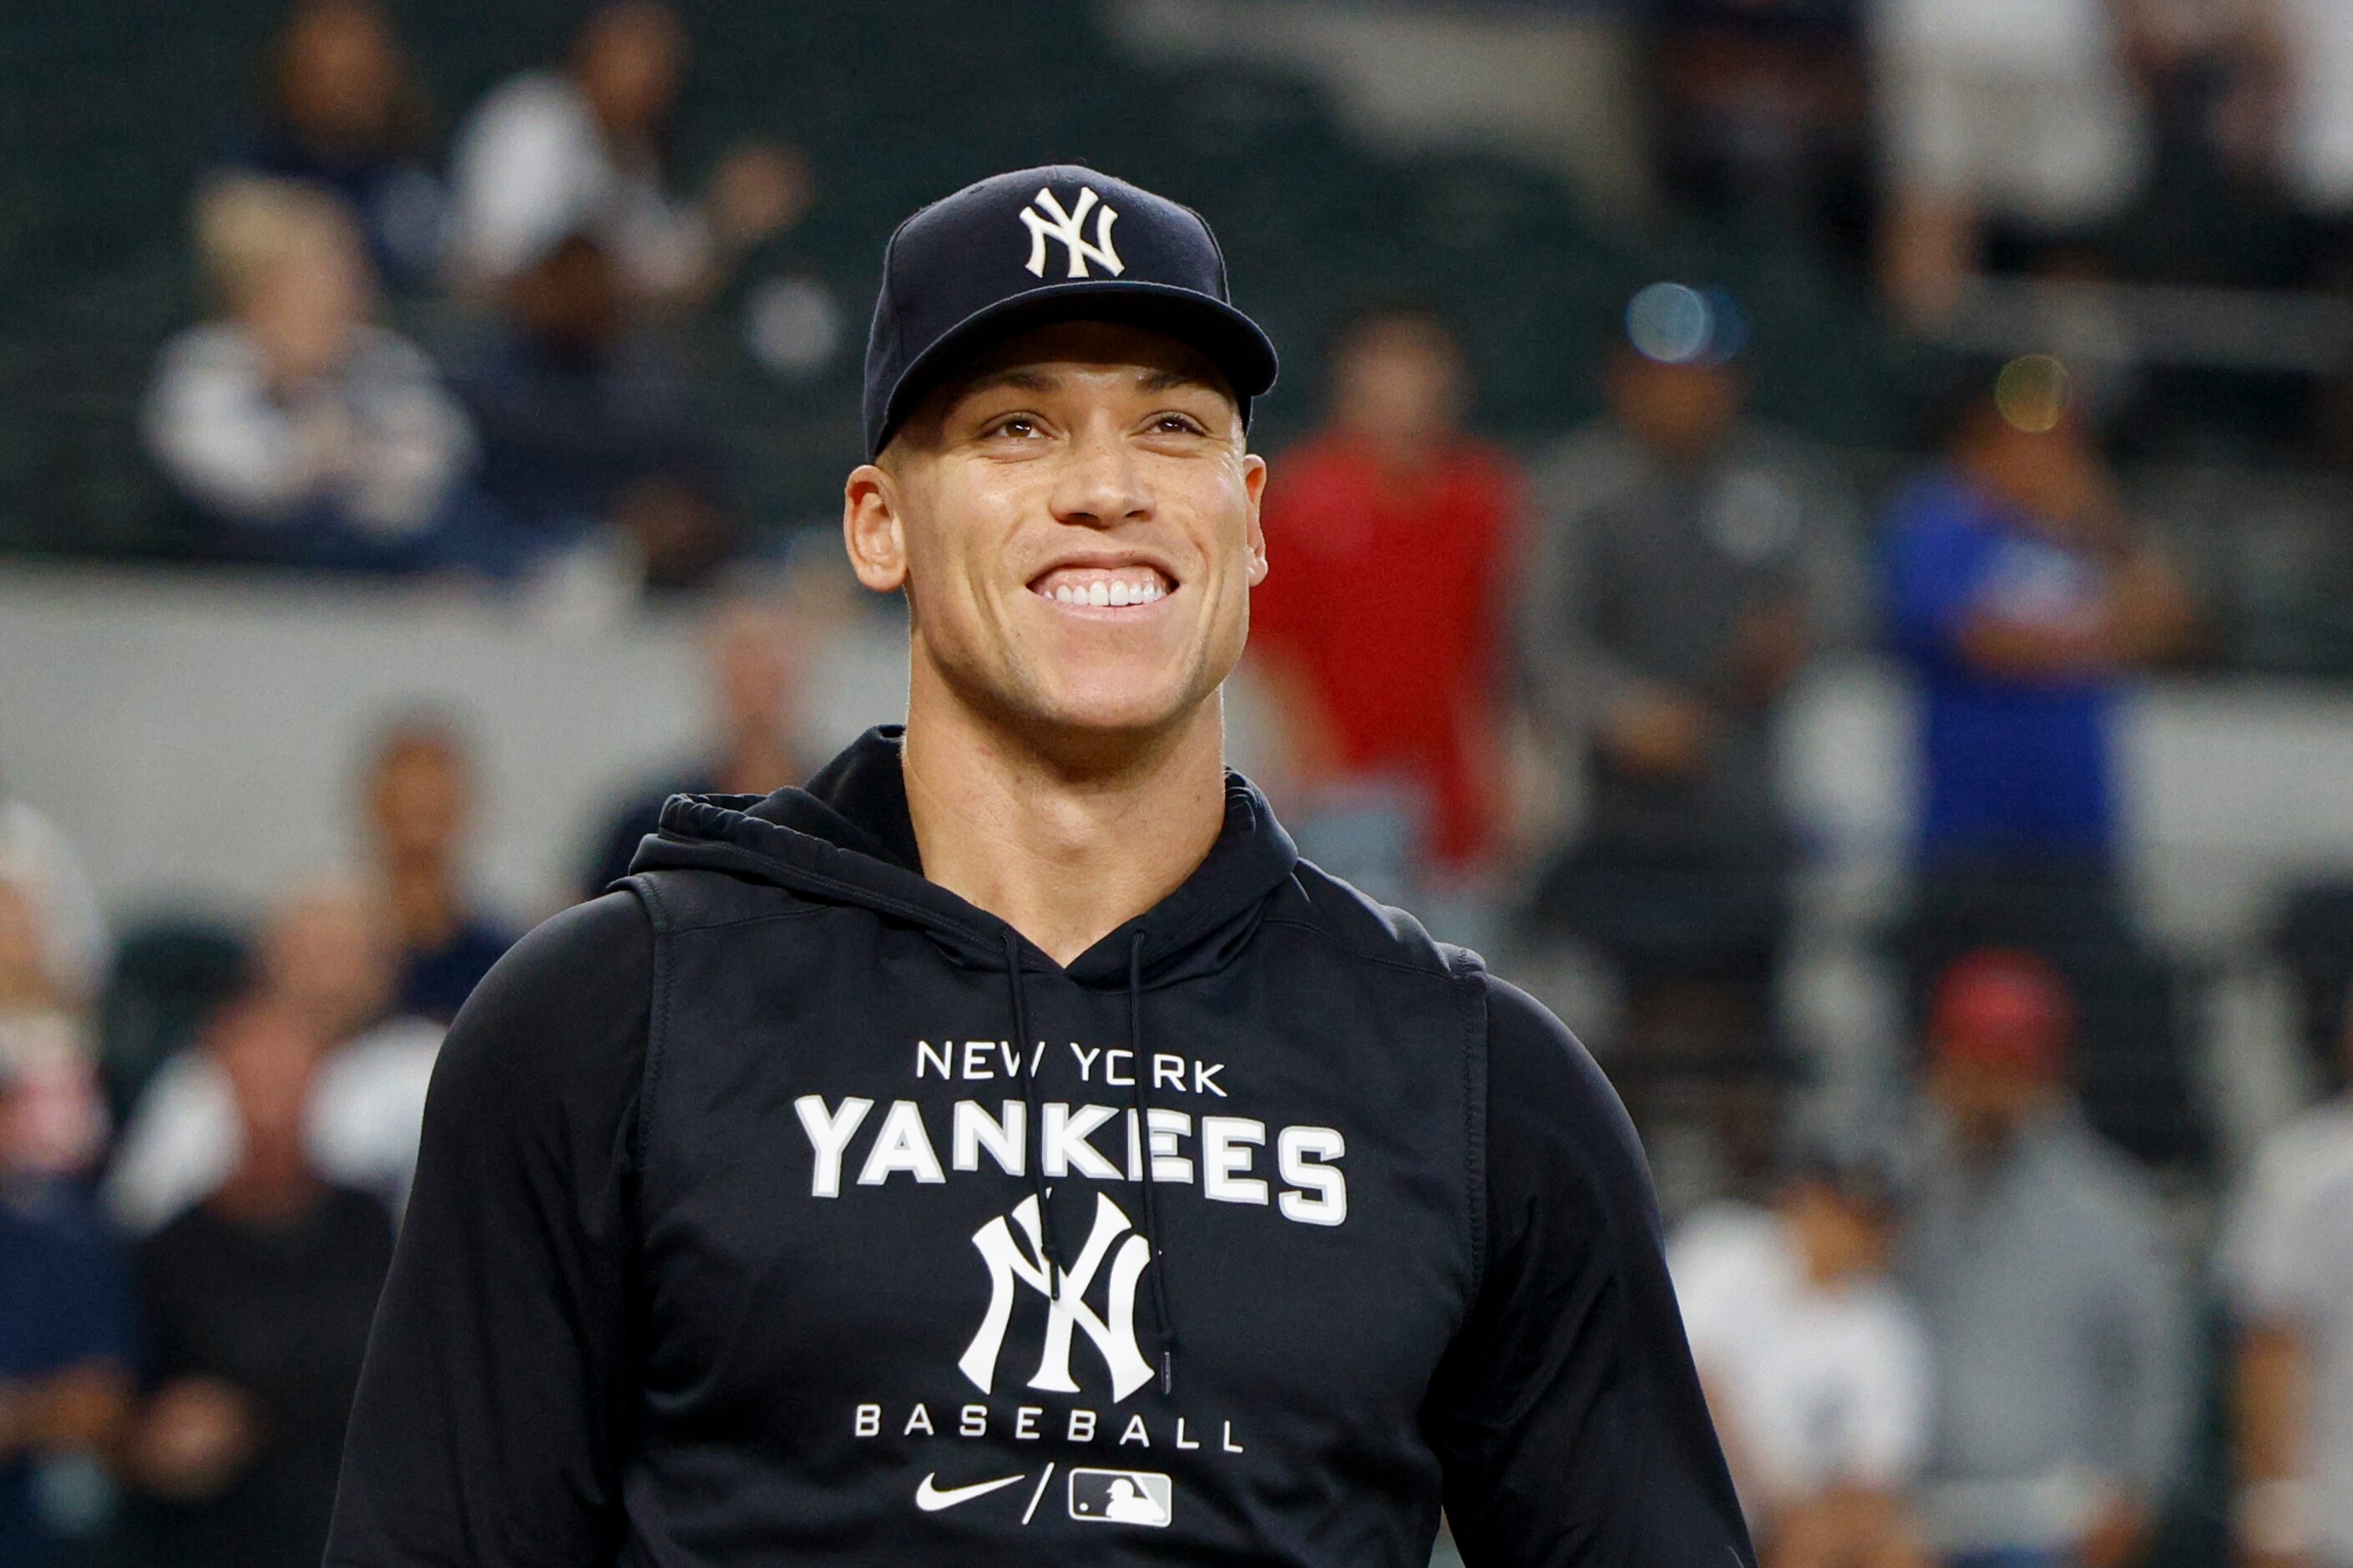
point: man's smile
(1132, 587)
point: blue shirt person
(2018, 597)
(2009, 761)
(67, 1345)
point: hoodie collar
(847, 836)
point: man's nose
(1101, 484)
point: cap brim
(1234, 343)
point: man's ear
(873, 528)
(1255, 482)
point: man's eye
(1177, 425)
(1020, 424)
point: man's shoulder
(609, 927)
(1361, 928)
(2082, 1169)
(555, 1033)
(571, 972)
(2308, 1154)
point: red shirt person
(1380, 627)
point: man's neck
(1064, 850)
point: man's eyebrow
(1018, 379)
(1023, 379)
(1166, 380)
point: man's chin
(1114, 715)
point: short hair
(422, 727)
(1416, 317)
(246, 229)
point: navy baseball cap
(1054, 243)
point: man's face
(328, 957)
(419, 800)
(1400, 384)
(1682, 410)
(1987, 1102)
(630, 60)
(1076, 523)
(1838, 1236)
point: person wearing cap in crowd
(1667, 607)
(1814, 1360)
(893, 1164)
(2287, 1261)
(2057, 1311)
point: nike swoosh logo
(932, 1498)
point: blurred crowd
(553, 245)
(300, 431)
(207, 1131)
(2020, 1310)
(2023, 126)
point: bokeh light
(1672, 323)
(2032, 393)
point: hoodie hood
(846, 837)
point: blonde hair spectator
(247, 229)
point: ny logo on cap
(1046, 220)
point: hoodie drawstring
(1022, 1046)
(1136, 1078)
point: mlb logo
(1121, 1496)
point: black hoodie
(784, 1208)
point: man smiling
(1005, 1149)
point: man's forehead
(1050, 375)
(1066, 352)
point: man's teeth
(1103, 595)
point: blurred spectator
(1761, 104)
(755, 654)
(550, 155)
(328, 961)
(298, 430)
(2295, 61)
(1816, 1367)
(2021, 594)
(2023, 111)
(418, 791)
(39, 861)
(343, 110)
(257, 1303)
(2056, 1312)
(590, 431)
(2023, 597)
(2287, 1260)
(2213, 73)
(66, 1344)
(1380, 629)
(46, 1053)
(1661, 622)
